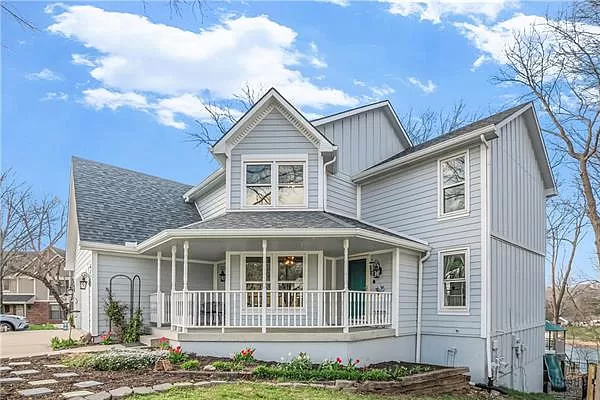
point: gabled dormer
(273, 158)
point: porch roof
(18, 298)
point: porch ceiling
(214, 249)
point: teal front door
(357, 282)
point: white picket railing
(284, 309)
(165, 300)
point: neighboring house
(337, 237)
(30, 298)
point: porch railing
(283, 309)
(165, 311)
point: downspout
(420, 305)
(328, 163)
(486, 261)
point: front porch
(332, 281)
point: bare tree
(558, 63)
(46, 226)
(14, 203)
(427, 124)
(224, 115)
(565, 225)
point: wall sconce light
(84, 281)
(222, 276)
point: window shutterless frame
(441, 186)
(454, 310)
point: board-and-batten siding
(363, 140)
(277, 136)
(516, 254)
(341, 194)
(407, 201)
(212, 203)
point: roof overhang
(489, 132)
(18, 298)
(385, 105)
(211, 181)
(271, 100)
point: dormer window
(275, 184)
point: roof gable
(272, 100)
(385, 106)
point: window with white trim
(453, 182)
(290, 281)
(278, 184)
(454, 284)
(254, 281)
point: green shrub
(176, 355)
(245, 356)
(376, 375)
(300, 362)
(190, 365)
(278, 372)
(227, 366)
(58, 344)
(116, 360)
(133, 330)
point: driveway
(30, 343)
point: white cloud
(493, 40)
(316, 60)
(51, 8)
(137, 55)
(45, 74)
(479, 62)
(82, 59)
(55, 96)
(435, 10)
(103, 98)
(341, 3)
(375, 92)
(428, 88)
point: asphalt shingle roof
(18, 298)
(490, 120)
(286, 220)
(117, 205)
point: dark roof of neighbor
(117, 205)
(287, 220)
(490, 120)
(18, 298)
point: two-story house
(335, 237)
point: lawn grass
(42, 327)
(257, 391)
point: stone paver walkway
(35, 392)
(25, 372)
(77, 393)
(87, 384)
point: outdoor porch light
(84, 281)
(222, 276)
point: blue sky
(119, 84)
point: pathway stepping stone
(55, 366)
(25, 372)
(35, 392)
(99, 396)
(5, 368)
(19, 363)
(77, 393)
(121, 392)
(65, 374)
(143, 390)
(11, 379)
(87, 384)
(182, 384)
(162, 387)
(43, 382)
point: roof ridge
(74, 158)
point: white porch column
(173, 279)
(346, 296)
(396, 291)
(158, 292)
(186, 298)
(264, 286)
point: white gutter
(170, 234)
(428, 151)
(486, 322)
(420, 305)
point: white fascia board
(418, 155)
(206, 184)
(170, 234)
(115, 248)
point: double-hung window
(275, 184)
(454, 280)
(254, 281)
(290, 281)
(454, 185)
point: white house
(337, 237)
